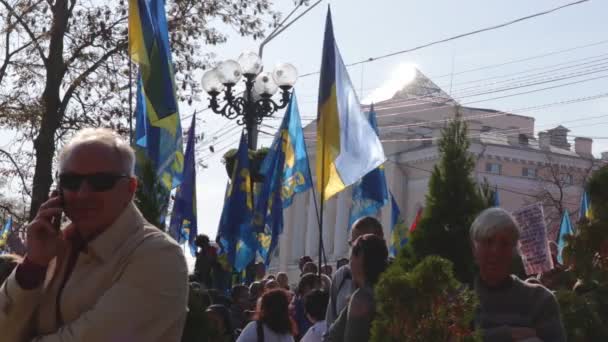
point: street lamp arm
(281, 27)
(232, 108)
(265, 108)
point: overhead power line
(571, 64)
(490, 28)
(525, 59)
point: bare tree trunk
(44, 144)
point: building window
(568, 179)
(528, 172)
(494, 168)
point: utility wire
(490, 28)
(481, 116)
(554, 67)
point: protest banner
(533, 240)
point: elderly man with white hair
(109, 275)
(510, 309)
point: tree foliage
(152, 198)
(423, 303)
(64, 65)
(585, 306)
(452, 203)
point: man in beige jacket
(109, 276)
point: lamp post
(256, 102)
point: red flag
(416, 220)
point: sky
(365, 29)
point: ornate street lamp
(256, 102)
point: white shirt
(315, 333)
(250, 334)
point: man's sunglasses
(98, 182)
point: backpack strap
(260, 330)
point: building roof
(559, 128)
(492, 138)
(421, 86)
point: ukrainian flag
(371, 192)
(347, 146)
(399, 230)
(183, 226)
(159, 133)
(286, 173)
(236, 237)
(5, 232)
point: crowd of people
(319, 306)
(111, 276)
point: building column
(312, 228)
(341, 229)
(286, 237)
(329, 225)
(299, 226)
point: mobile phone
(56, 221)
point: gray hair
(102, 136)
(492, 221)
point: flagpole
(319, 222)
(130, 101)
(322, 180)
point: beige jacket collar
(129, 221)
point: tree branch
(26, 27)
(10, 157)
(7, 55)
(71, 9)
(11, 212)
(78, 81)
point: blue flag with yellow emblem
(158, 136)
(565, 229)
(236, 235)
(6, 230)
(286, 173)
(400, 232)
(495, 197)
(370, 193)
(585, 211)
(183, 226)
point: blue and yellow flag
(564, 229)
(371, 192)
(158, 127)
(347, 146)
(6, 230)
(400, 232)
(495, 197)
(585, 211)
(236, 234)
(183, 226)
(286, 173)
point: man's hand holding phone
(43, 234)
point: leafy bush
(424, 303)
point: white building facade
(525, 169)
